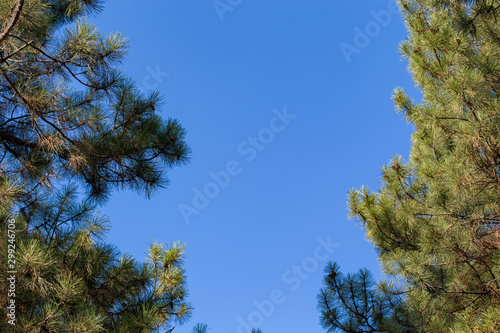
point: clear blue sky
(289, 106)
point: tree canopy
(435, 220)
(73, 127)
(69, 113)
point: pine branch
(13, 19)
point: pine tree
(72, 129)
(68, 113)
(69, 279)
(203, 328)
(353, 303)
(200, 328)
(435, 220)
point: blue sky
(287, 106)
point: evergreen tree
(435, 220)
(200, 328)
(68, 113)
(69, 279)
(353, 303)
(203, 328)
(70, 119)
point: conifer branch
(13, 19)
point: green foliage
(70, 119)
(68, 278)
(200, 328)
(203, 328)
(435, 220)
(67, 112)
(353, 304)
